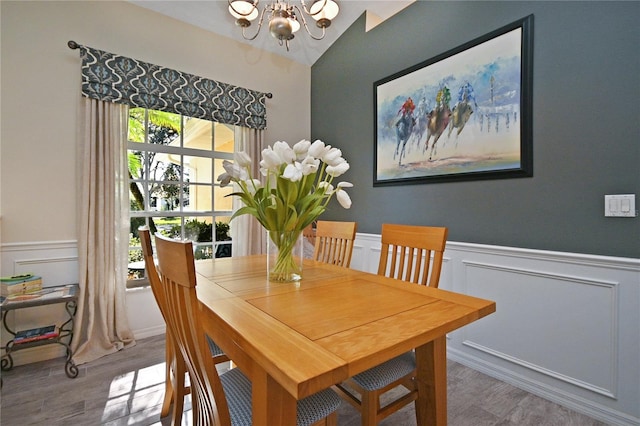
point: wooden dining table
(295, 339)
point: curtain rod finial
(73, 45)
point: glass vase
(284, 256)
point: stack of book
(20, 284)
(31, 335)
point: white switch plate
(622, 205)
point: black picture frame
(486, 134)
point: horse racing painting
(463, 115)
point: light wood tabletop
(295, 339)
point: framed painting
(462, 115)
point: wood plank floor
(126, 388)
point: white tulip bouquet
(298, 185)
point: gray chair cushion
(317, 406)
(213, 348)
(237, 389)
(238, 392)
(387, 372)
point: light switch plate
(621, 205)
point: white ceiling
(213, 16)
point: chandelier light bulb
(324, 9)
(242, 9)
(295, 25)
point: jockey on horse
(404, 126)
(462, 110)
(438, 119)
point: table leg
(282, 405)
(271, 403)
(431, 406)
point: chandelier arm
(255, 6)
(306, 27)
(304, 7)
(259, 27)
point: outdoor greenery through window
(173, 161)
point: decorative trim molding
(625, 263)
(542, 274)
(40, 245)
(567, 399)
(531, 366)
(37, 261)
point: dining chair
(217, 399)
(334, 242)
(176, 387)
(405, 255)
(309, 232)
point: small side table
(67, 294)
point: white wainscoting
(567, 326)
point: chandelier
(284, 17)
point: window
(173, 164)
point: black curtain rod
(73, 45)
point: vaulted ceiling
(214, 16)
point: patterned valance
(119, 79)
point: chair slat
(334, 242)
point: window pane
(198, 198)
(164, 128)
(169, 226)
(168, 198)
(136, 260)
(217, 168)
(136, 196)
(198, 169)
(136, 125)
(136, 163)
(223, 237)
(135, 223)
(221, 201)
(198, 229)
(136, 265)
(197, 134)
(165, 167)
(223, 137)
(223, 228)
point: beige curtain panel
(102, 325)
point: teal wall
(586, 125)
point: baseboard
(149, 332)
(571, 401)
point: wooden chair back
(334, 242)
(149, 263)
(177, 287)
(175, 368)
(309, 233)
(406, 253)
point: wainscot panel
(565, 328)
